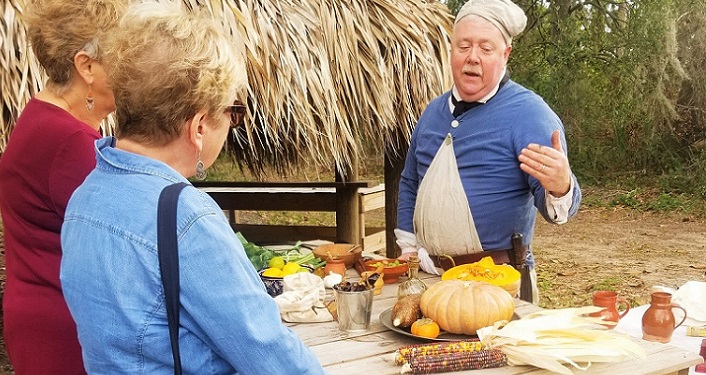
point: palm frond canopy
(326, 77)
(20, 75)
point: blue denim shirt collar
(115, 160)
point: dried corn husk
(550, 338)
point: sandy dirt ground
(617, 249)
(601, 248)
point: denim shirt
(111, 281)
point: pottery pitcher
(658, 321)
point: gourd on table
(463, 307)
(485, 270)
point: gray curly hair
(166, 63)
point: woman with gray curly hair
(49, 154)
(176, 78)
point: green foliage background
(628, 80)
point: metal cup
(354, 310)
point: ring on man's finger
(543, 166)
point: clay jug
(612, 303)
(658, 321)
(335, 265)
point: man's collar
(483, 100)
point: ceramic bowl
(390, 274)
(339, 250)
(275, 285)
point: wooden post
(394, 163)
(348, 206)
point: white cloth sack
(443, 221)
(302, 300)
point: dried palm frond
(550, 338)
(326, 78)
(20, 75)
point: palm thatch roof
(20, 75)
(327, 78)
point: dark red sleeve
(75, 159)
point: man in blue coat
(484, 157)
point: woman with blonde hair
(49, 154)
(176, 78)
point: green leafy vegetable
(260, 256)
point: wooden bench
(350, 201)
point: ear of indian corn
(459, 361)
(405, 353)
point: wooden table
(370, 352)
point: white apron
(443, 222)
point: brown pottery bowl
(390, 273)
(339, 250)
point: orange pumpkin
(485, 270)
(463, 307)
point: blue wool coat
(503, 199)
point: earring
(200, 169)
(89, 99)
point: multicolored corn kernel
(403, 354)
(459, 361)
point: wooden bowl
(339, 250)
(390, 273)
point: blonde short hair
(59, 29)
(165, 64)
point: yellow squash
(485, 270)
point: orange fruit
(425, 327)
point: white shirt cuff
(425, 262)
(406, 241)
(408, 244)
(558, 208)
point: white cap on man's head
(509, 18)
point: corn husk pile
(551, 338)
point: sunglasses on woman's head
(237, 113)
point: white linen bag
(303, 299)
(443, 221)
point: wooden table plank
(372, 351)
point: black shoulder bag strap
(167, 251)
